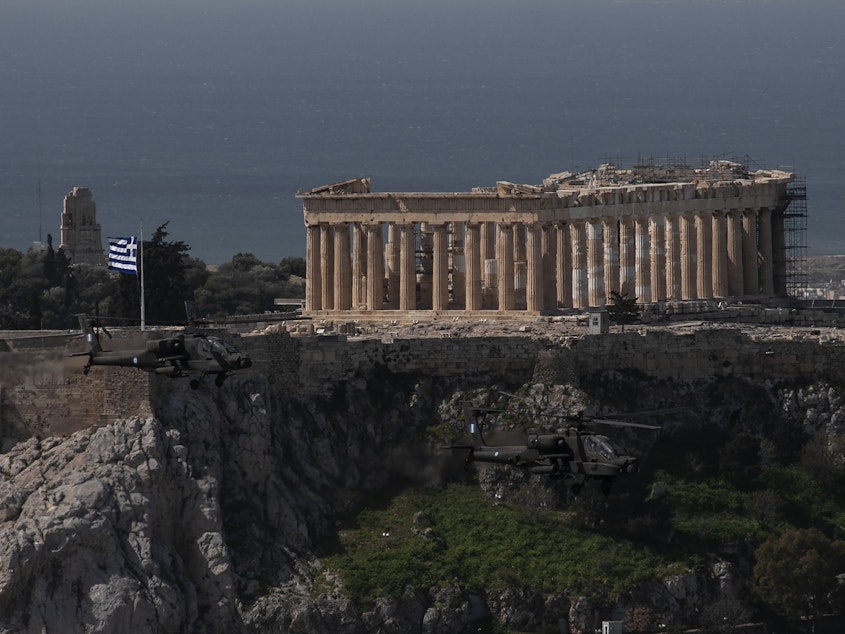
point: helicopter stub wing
(556, 456)
(173, 357)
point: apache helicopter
(187, 353)
(571, 452)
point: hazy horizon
(211, 115)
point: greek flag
(123, 255)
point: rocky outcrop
(201, 518)
(109, 530)
(205, 517)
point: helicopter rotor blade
(658, 412)
(619, 423)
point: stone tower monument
(81, 238)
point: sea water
(211, 114)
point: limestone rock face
(182, 521)
(105, 531)
(205, 518)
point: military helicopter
(187, 353)
(571, 452)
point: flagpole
(141, 260)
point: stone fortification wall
(687, 356)
(476, 360)
(317, 366)
(41, 395)
(43, 392)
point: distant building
(80, 232)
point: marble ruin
(81, 237)
(651, 232)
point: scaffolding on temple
(795, 238)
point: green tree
(10, 302)
(293, 266)
(125, 303)
(621, 309)
(24, 279)
(165, 283)
(196, 275)
(88, 289)
(244, 285)
(796, 574)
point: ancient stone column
(549, 254)
(734, 230)
(472, 259)
(686, 234)
(720, 255)
(313, 277)
(518, 242)
(704, 249)
(327, 264)
(595, 266)
(391, 259)
(563, 266)
(534, 259)
(342, 268)
(407, 268)
(579, 264)
(673, 257)
(359, 266)
(488, 250)
(424, 266)
(457, 264)
(750, 268)
(627, 258)
(504, 255)
(375, 268)
(440, 270)
(611, 256)
(642, 273)
(657, 258)
(766, 252)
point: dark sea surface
(211, 114)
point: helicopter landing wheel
(605, 486)
(195, 383)
(218, 380)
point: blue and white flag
(123, 255)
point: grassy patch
(427, 538)
(460, 535)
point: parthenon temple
(650, 232)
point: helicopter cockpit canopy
(603, 446)
(221, 347)
(227, 354)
